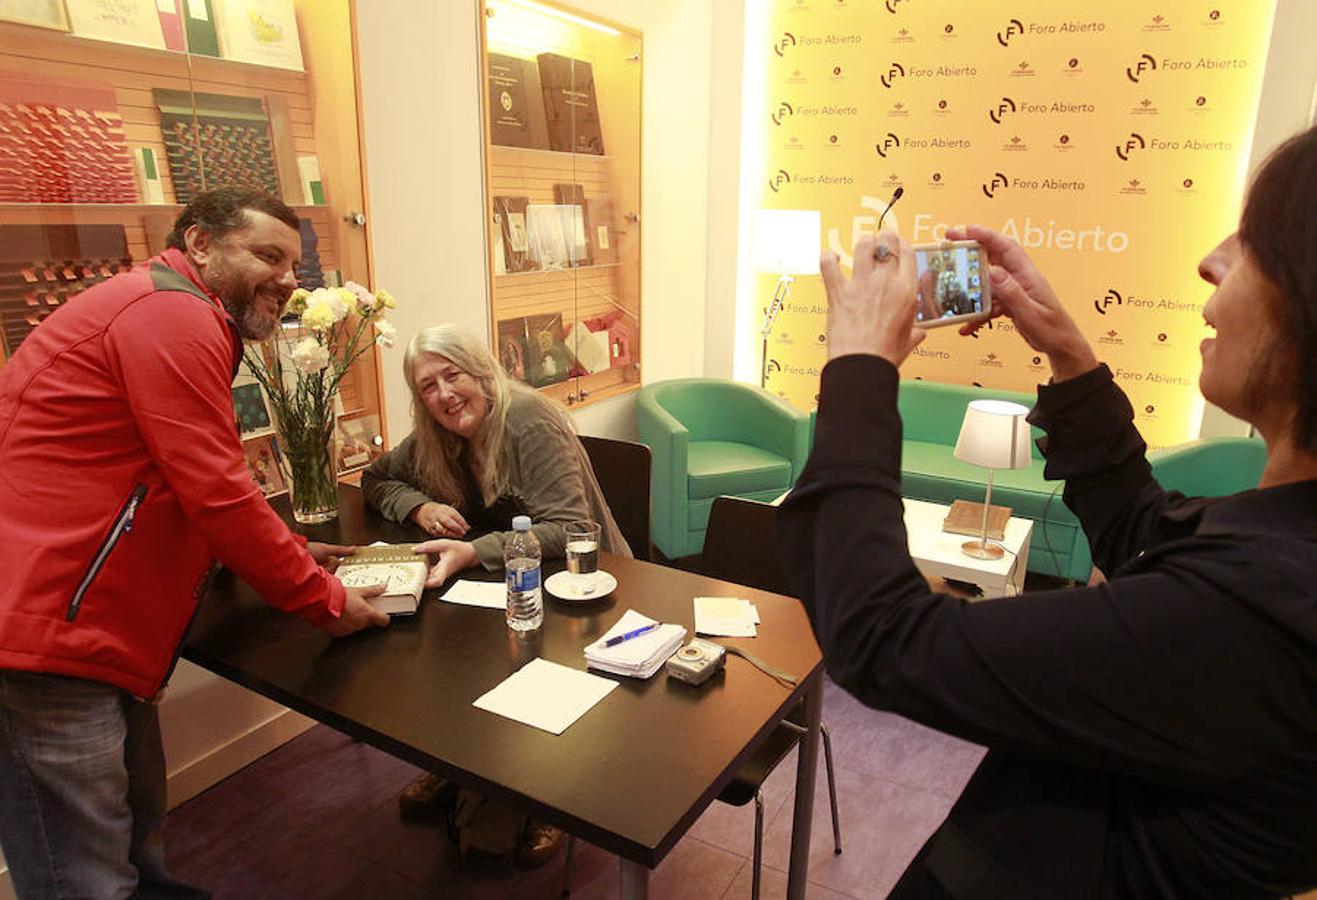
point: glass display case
(114, 113)
(562, 125)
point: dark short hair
(1279, 228)
(224, 209)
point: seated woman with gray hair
(484, 448)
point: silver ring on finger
(882, 253)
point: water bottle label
(524, 579)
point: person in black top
(1153, 736)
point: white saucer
(560, 584)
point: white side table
(937, 553)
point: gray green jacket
(550, 475)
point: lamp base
(980, 550)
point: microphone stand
(780, 295)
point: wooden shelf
(553, 154)
(566, 271)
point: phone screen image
(949, 282)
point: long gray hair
(438, 450)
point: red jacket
(121, 476)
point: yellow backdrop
(1112, 145)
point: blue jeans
(82, 786)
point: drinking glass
(583, 554)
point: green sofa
(931, 414)
(712, 437)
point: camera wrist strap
(762, 666)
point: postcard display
(563, 193)
(101, 142)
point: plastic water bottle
(521, 562)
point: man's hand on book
(358, 613)
(454, 556)
(329, 555)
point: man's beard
(241, 302)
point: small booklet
(398, 567)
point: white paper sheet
(546, 695)
(489, 594)
(725, 617)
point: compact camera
(697, 661)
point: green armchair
(712, 437)
(1211, 467)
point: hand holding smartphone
(952, 286)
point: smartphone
(952, 283)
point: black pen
(614, 641)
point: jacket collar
(1284, 509)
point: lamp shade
(787, 241)
(994, 434)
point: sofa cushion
(726, 467)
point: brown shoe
(428, 798)
(538, 844)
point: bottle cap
(521, 523)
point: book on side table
(396, 566)
(966, 517)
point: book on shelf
(148, 175)
(547, 361)
(966, 517)
(509, 107)
(262, 457)
(512, 347)
(571, 110)
(313, 187)
(549, 245)
(135, 22)
(601, 230)
(397, 567)
(199, 27)
(262, 32)
(171, 24)
(571, 200)
(510, 217)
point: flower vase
(311, 461)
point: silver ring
(882, 253)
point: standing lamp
(994, 434)
(786, 244)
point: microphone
(896, 195)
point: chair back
(622, 470)
(741, 545)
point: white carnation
(309, 356)
(385, 333)
(328, 298)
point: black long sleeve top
(1190, 677)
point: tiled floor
(318, 818)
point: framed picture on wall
(120, 21)
(41, 13)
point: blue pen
(614, 641)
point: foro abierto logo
(998, 181)
(1143, 64)
(1111, 296)
(1135, 142)
(784, 111)
(894, 72)
(1007, 105)
(1013, 27)
(787, 40)
(892, 5)
(778, 181)
(887, 145)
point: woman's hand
(454, 556)
(440, 520)
(873, 311)
(1020, 292)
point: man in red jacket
(123, 483)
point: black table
(631, 775)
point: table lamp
(786, 244)
(994, 434)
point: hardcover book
(512, 347)
(171, 24)
(199, 25)
(510, 217)
(263, 32)
(571, 110)
(120, 21)
(601, 230)
(966, 517)
(546, 358)
(397, 567)
(509, 113)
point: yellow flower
(297, 301)
(318, 317)
(386, 298)
(348, 297)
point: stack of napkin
(639, 657)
